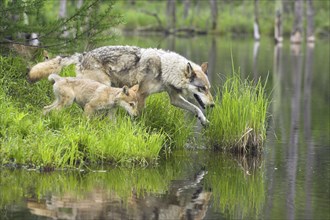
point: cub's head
(199, 85)
(128, 99)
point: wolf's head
(199, 85)
(128, 99)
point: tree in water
(310, 21)
(278, 22)
(186, 7)
(297, 34)
(256, 32)
(171, 14)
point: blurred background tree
(59, 25)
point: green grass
(238, 120)
(160, 116)
(68, 139)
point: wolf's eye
(201, 88)
(132, 104)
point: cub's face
(129, 100)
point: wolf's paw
(204, 121)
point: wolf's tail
(53, 77)
(44, 69)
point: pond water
(290, 180)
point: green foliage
(238, 120)
(78, 28)
(13, 73)
(234, 17)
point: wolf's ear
(135, 88)
(125, 90)
(204, 67)
(190, 72)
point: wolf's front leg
(179, 101)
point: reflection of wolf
(91, 95)
(153, 69)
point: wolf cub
(91, 95)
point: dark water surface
(291, 180)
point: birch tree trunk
(278, 22)
(214, 13)
(297, 34)
(62, 11)
(171, 14)
(62, 15)
(310, 21)
(80, 3)
(256, 32)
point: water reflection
(290, 170)
(237, 186)
(292, 149)
(178, 190)
(308, 128)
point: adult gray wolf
(155, 71)
(91, 95)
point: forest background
(57, 24)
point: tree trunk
(256, 32)
(297, 34)
(171, 14)
(278, 22)
(287, 8)
(62, 11)
(80, 3)
(62, 15)
(310, 21)
(186, 7)
(214, 13)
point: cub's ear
(135, 88)
(125, 90)
(205, 66)
(190, 72)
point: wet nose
(212, 105)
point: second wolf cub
(91, 95)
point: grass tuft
(160, 116)
(238, 120)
